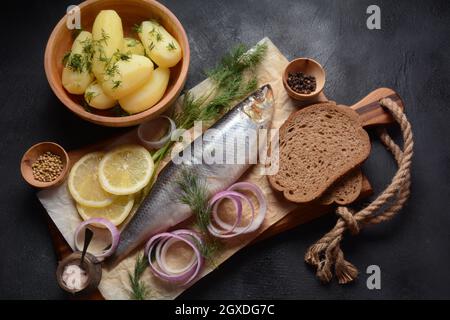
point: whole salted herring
(162, 208)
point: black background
(409, 54)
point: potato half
(76, 75)
(159, 44)
(107, 33)
(149, 94)
(96, 97)
(129, 75)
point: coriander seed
(47, 167)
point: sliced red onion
(259, 219)
(155, 144)
(228, 230)
(107, 226)
(158, 246)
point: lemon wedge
(116, 212)
(125, 170)
(84, 185)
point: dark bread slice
(345, 190)
(318, 145)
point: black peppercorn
(301, 83)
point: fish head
(260, 106)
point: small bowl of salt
(76, 277)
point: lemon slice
(116, 212)
(125, 170)
(84, 185)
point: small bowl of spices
(79, 277)
(304, 79)
(45, 165)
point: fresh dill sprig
(116, 84)
(235, 63)
(171, 46)
(137, 28)
(90, 95)
(122, 56)
(112, 69)
(139, 290)
(75, 62)
(104, 38)
(156, 33)
(194, 193)
(159, 36)
(66, 57)
(190, 110)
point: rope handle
(326, 253)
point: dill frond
(171, 46)
(139, 290)
(194, 193)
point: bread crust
(345, 190)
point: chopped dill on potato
(90, 95)
(171, 46)
(117, 83)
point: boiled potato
(159, 45)
(129, 75)
(107, 33)
(96, 97)
(149, 94)
(133, 46)
(76, 75)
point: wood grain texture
(131, 12)
(371, 112)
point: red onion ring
(234, 230)
(160, 243)
(259, 219)
(155, 144)
(229, 230)
(115, 236)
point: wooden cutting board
(371, 114)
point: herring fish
(161, 209)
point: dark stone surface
(409, 54)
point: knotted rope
(326, 253)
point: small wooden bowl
(33, 153)
(308, 67)
(131, 12)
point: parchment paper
(115, 283)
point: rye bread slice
(318, 145)
(345, 190)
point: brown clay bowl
(33, 153)
(131, 12)
(309, 67)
